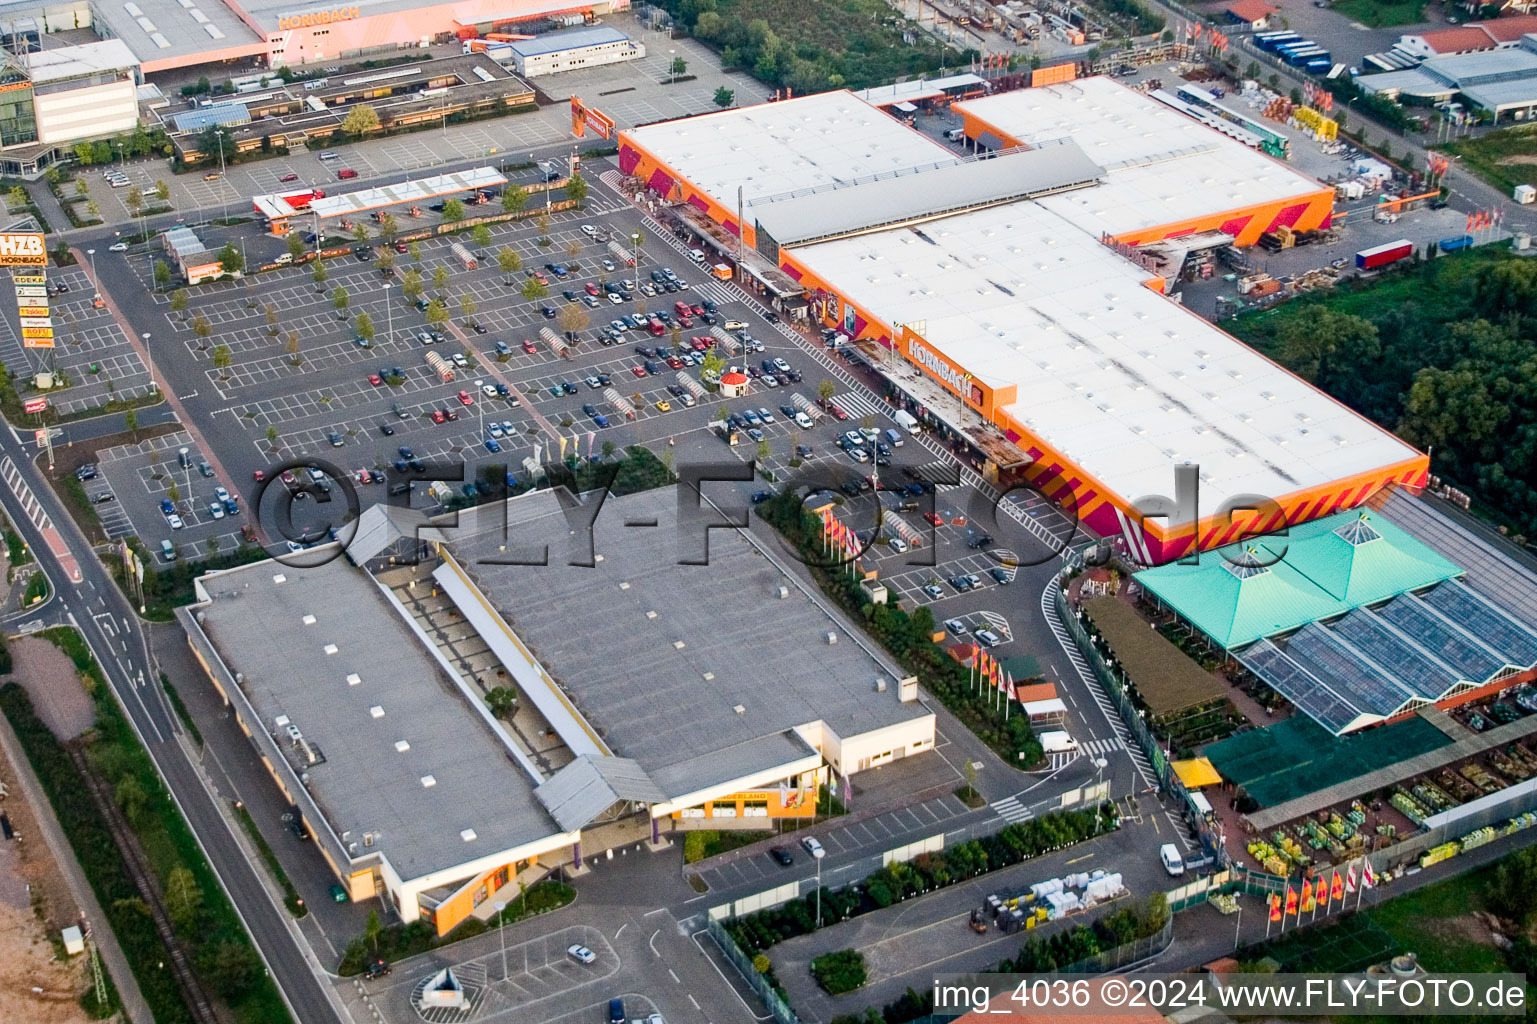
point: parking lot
(90, 350)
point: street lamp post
(819, 890)
(389, 315)
(501, 929)
(635, 255)
(149, 360)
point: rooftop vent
(468, 835)
(330, 648)
(832, 637)
(401, 746)
(377, 711)
(880, 686)
(353, 679)
(650, 614)
(708, 676)
(783, 592)
(280, 578)
(678, 645)
(624, 586)
(740, 709)
(308, 620)
(428, 782)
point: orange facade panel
(1054, 75)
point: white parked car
(581, 954)
(1173, 863)
(489, 390)
(813, 847)
(987, 638)
(897, 544)
(589, 230)
(118, 247)
(175, 521)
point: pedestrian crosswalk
(1100, 748)
(1011, 810)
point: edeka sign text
(22, 249)
(944, 372)
(318, 18)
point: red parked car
(639, 371)
(530, 347)
(465, 399)
(439, 416)
(346, 173)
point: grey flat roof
(554, 42)
(79, 60)
(912, 193)
(158, 30)
(607, 634)
(590, 785)
(365, 783)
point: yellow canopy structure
(1196, 773)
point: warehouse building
(666, 710)
(1167, 175)
(570, 51)
(169, 34)
(190, 258)
(1501, 82)
(1029, 323)
(1358, 620)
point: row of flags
(837, 539)
(1480, 219)
(990, 672)
(1320, 892)
(1194, 30)
(1319, 98)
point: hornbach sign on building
(22, 249)
(318, 18)
(979, 396)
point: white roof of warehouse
(78, 61)
(1123, 381)
(774, 148)
(1162, 166)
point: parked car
(581, 954)
(813, 847)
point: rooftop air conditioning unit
(832, 637)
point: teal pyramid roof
(1317, 570)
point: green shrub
(840, 972)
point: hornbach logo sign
(318, 18)
(960, 383)
(22, 249)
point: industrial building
(1357, 621)
(1030, 323)
(428, 93)
(1501, 82)
(190, 258)
(578, 48)
(664, 708)
(55, 98)
(168, 34)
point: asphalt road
(98, 609)
(653, 881)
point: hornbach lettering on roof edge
(318, 18)
(946, 372)
(22, 249)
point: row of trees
(822, 44)
(1444, 355)
(909, 636)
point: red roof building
(1255, 13)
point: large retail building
(643, 699)
(1014, 289)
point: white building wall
(578, 57)
(853, 754)
(90, 113)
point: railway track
(149, 889)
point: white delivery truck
(906, 421)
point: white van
(906, 421)
(1173, 863)
(955, 134)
